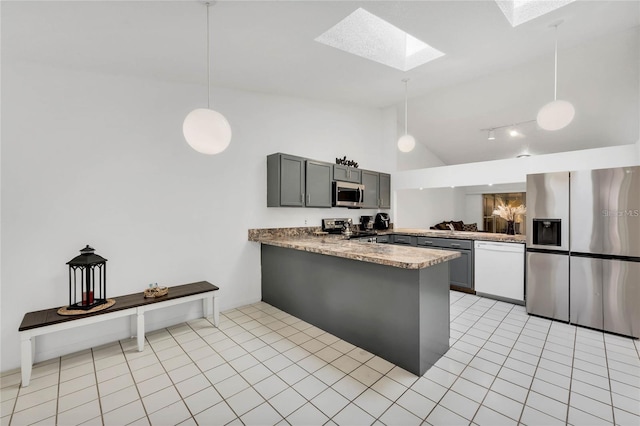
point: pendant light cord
(208, 63)
(406, 110)
(555, 69)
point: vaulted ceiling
(491, 75)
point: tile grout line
(135, 383)
(500, 369)
(95, 374)
(606, 360)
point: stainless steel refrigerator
(588, 222)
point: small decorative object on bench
(85, 294)
(155, 291)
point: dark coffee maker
(366, 223)
(382, 221)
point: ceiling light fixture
(406, 143)
(205, 130)
(556, 114)
(513, 131)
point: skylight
(366, 35)
(520, 11)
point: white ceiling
(491, 74)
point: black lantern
(87, 280)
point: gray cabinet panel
(460, 269)
(347, 174)
(384, 191)
(370, 180)
(404, 239)
(318, 183)
(291, 181)
(285, 180)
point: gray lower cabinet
(404, 239)
(347, 174)
(460, 269)
(319, 176)
(297, 182)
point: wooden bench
(134, 305)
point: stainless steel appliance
(366, 223)
(382, 221)
(547, 290)
(345, 227)
(348, 194)
(587, 272)
(605, 249)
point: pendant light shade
(406, 143)
(205, 130)
(556, 114)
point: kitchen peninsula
(390, 300)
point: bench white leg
(27, 349)
(134, 325)
(216, 310)
(140, 330)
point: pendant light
(406, 143)
(205, 130)
(556, 114)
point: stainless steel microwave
(347, 194)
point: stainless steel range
(345, 227)
(583, 251)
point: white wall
(100, 159)
(516, 170)
(505, 175)
(423, 208)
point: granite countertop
(462, 235)
(382, 254)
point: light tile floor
(266, 367)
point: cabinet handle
(455, 245)
(429, 243)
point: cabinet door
(291, 181)
(318, 184)
(370, 182)
(346, 174)
(460, 270)
(384, 191)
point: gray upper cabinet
(377, 189)
(385, 191)
(285, 180)
(370, 180)
(318, 183)
(347, 174)
(294, 181)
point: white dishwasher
(499, 270)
